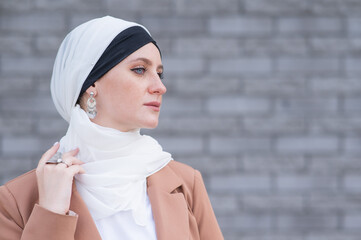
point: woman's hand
(55, 180)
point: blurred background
(263, 98)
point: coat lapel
(170, 210)
(86, 228)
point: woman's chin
(151, 124)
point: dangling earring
(91, 106)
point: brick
(352, 221)
(178, 106)
(352, 144)
(51, 126)
(45, 44)
(294, 7)
(281, 86)
(160, 7)
(333, 235)
(246, 223)
(333, 202)
(16, 85)
(335, 164)
(337, 124)
(335, 46)
(197, 124)
(307, 65)
(353, 64)
(68, 5)
(256, 235)
(40, 104)
(204, 86)
(307, 222)
(238, 26)
(307, 144)
(240, 183)
(16, 45)
(302, 183)
(273, 164)
(205, 7)
(183, 66)
(205, 46)
(15, 166)
(311, 105)
(234, 145)
(351, 183)
(224, 204)
(275, 7)
(273, 203)
(238, 105)
(235, 67)
(353, 26)
(274, 124)
(208, 165)
(17, 5)
(33, 23)
(82, 17)
(15, 125)
(335, 7)
(181, 145)
(352, 104)
(333, 86)
(303, 25)
(26, 65)
(23, 145)
(42, 84)
(174, 26)
(274, 46)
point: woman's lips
(153, 105)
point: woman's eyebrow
(147, 61)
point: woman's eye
(161, 75)
(139, 70)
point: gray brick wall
(263, 98)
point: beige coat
(179, 200)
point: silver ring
(55, 159)
(62, 161)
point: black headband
(124, 44)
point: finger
(48, 154)
(73, 160)
(69, 161)
(71, 153)
(75, 169)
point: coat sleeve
(202, 209)
(42, 223)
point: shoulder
(189, 176)
(25, 180)
(23, 189)
(184, 171)
(181, 169)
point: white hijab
(116, 163)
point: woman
(107, 83)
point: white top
(122, 226)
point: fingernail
(55, 143)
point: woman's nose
(157, 86)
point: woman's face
(130, 94)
